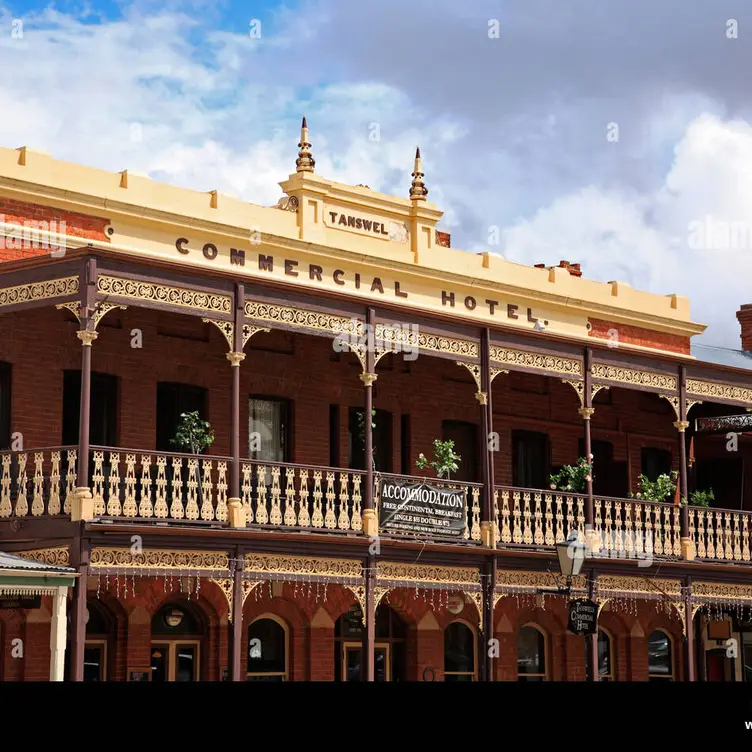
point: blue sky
(515, 129)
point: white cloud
(644, 239)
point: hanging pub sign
(18, 601)
(583, 617)
(421, 508)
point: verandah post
(82, 505)
(688, 550)
(586, 412)
(487, 524)
(370, 518)
(235, 513)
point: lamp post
(571, 553)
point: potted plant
(193, 434)
(572, 478)
(445, 461)
(699, 499)
(660, 489)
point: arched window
(460, 662)
(267, 649)
(99, 643)
(99, 637)
(660, 656)
(605, 657)
(531, 654)
(176, 644)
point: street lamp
(571, 554)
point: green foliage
(445, 462)
(699, 498)
(663, 487)
(572, 478)
(193, 434)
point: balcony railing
(173, 487)
(720, 534)
(625, 528)
(38, 482)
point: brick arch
(672, 626)
(404, 603)
(150, 593)
(295, 618)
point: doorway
(389, 646)
(177, 636)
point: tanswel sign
(420, 508)
(583, 617)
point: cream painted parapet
(329, 237)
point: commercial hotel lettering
(315, 273)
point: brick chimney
(573, 269)
(744, 314)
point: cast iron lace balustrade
(185, 488)
(37, 482)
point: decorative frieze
(634, 377)
(153, 292)
(159, 559)
(642, 586)
(300, 566)
(54, 288)
(543, 362)
(530, 582)
(718, 591)
(426, 575)
(58, 556)
(713, 389)
(300, 318)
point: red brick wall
(312, 649)
(636, 335)
(77, 225)
(41, 344)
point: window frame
(281, 622)
(473, 631)
(287, 428)
(545, 675)
(672, 657)
(610, 676)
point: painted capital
(86, 336)
(235, 358)
(681, 425)
(586, 412)
(368, 378)
(482, 397)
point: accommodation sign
(421, 508)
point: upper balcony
(141, 486)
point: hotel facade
(304, 544)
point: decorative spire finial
(418, 190)
(305, 161)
